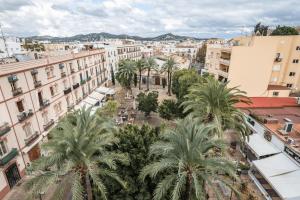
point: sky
(198, 18)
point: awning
(102, 90)
(97, 95)
(27, 148)
(282, 174)
(91, 101)
(111, 92)
(260, 146)
(82, 104)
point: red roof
(269, 102)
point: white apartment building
(34, 95)
(129, 51)
(9, 46)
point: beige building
(130, 51)
(260, 65)
(34, 95)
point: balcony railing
(76, 85)
(37, 84)
(4, 129)
(11, 155)
(63, 74)
(24, 115)
(17, 91)
(89, 78)
(72, 71)
(278, 59)
(82, 82)
(31, 138)
(67, 90)
(44, 104)
(224, 62)
(48, 125)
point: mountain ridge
(103, 35)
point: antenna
(4, 41)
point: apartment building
(130, 51)
(9, 46)
(263, 66)
(34, 95)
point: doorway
(12, 175)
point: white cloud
(202, 18)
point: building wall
(93, 63)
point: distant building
(260, 65)
(9, 46)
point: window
(292, 74)
(275, 94)
(57, 108)
(20, 106)
(27, 129)
(276, 68)
(65, 84)
(3, 148)
(45, 117)
(50, 72)
(298, 48)
(53, 89)
(295, 60)
(289, 85)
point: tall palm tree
(213, 102)
(126, 73)
(140, 66)
(169, 67)
(189, 162)
(150, 65)
(77, 158)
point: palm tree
(140, 66)
(169, 67)
(150, 65)
(213, 102)
(126, 73)
(77, 152)
(189, 162)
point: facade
(9, 47)
(130, 51)
(34, 95)
(263, 66)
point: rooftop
(269, 102)
(277, 87)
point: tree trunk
(188, 188)
(88, 187)
(169, 86)
(140, 80)
(170, 83)
(148, 79)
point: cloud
(201, 18)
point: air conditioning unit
(288, 127)
(298, 100)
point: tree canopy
(147, 103)
(125, 73)
(285, 30)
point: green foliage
(169, 67)
(201, 54)
(147, 103)
(261, 29)
(134, 141)
(188, 162)
(126, 73)
(113, 76)
(109, 109)
(285, 30)
(77, 152)
(182, 80)
(164, 82)
(135, 80)
(213, 102)
(140, 65)
(169, 109)
(150, 64)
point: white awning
(102, 90)
(91, 101)
(97, 95)
(260, 146)
(111, 92)
(282, 174)
(82, 104)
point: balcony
(24, 115)
(224, 61)
(63, 74)
(37, 84)
(29, 140)
(72, 71)
(12, 78)
(4, 128)
(89, 78)
(44, 104)
(76, 85)
(67, 90)
(82, 82)
(17, 91)
(34, 71)
(278, 59)
(70, 107)
(48, 125)
(86, 66)
(11, 155)
(223, 73)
